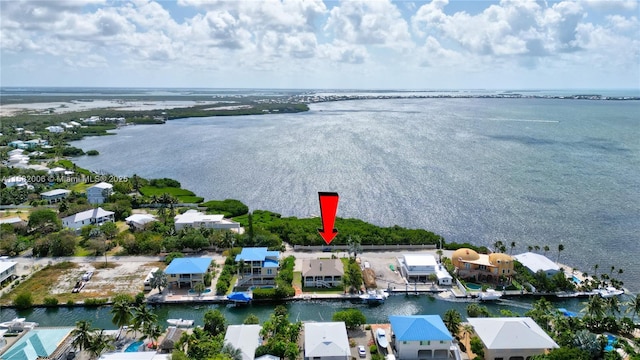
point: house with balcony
(188, 271)
(7, 271)
(98, 193)
(422, 337)
(97, 216)
(55, 195)
(322, 272)
(511, 338)
(259, 266)
(495, 267)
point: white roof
(55, 192)
(326, 339)
(511, 333)
(15, 179)
(4, 265)
(419, 260)
(193, 216)
(88, 214)
(536, 262)
(11, 220)
(102, 185)
(139, 355)
(140, 218)
(244, 337)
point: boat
(240, 298)
(18, 324)
(609, 291)
(180, 322)
(381, 338)
(374, 297)
(489, 295)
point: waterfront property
(421, 267)
(481, 267)
(246, 338)
(55, 195)
(196, 219)
(422, 337)
(322, 272)
(187, 271)
(537, 262)
(260, 266)
(7, 271)
(512, 338)
(98, 193)
(326, 341)
(139, 221)
(170, 340)
(97, 216)
(40, 343)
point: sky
(372, 44)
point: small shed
(170, 340)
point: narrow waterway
(313, 310)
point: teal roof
(188, 266)
(256, 254)
(36, 343)
(419, 328)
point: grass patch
(79, 187)
(80, 251)
(337, 290)
(297, 279)
(102, 265)
(38, 284)
(183, 195)
(234, 279)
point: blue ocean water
(534, 171)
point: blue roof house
(260, 266)
(187, 271)
(422, 337)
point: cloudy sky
(321, 44)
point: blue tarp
(239, 297)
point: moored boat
(381, 338)
(489, 295)
(609, 291)
(180, 322)
(374, 297)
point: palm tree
(613, 305)
(233, 353)
(159, 280)
(497, 245)
(633, 307)
(354, 246)
(452, 321)
(143, 318)
(595, 307)
(595, 268)
(530, 248)
(560, 249)
(513, 245)
(537, 247)
(99, 344)
(122, 314)
(82, 335)
(467, 330)
(242, 266)
(439, 252)
(153, 332)
(199, 288)
(546, 249)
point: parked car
(362, 352)
(87, 276)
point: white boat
(381, 338)
(609, 291)
(180, 322)
(489, 295)
(18, 324)
(374, 297)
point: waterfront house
(98, 193)
(171, 338)
(18, 144)
(246, 338)
(187, 271)
(197, 219)
(511, 338)
(33, 143)
(55, 195)
(537, 262)
(420, 267)
(55, 129)
(139, 221)
(7, 271)
(322, 272)
(97, 216)
(41, 343)
(481, 267)
(260, 266)
(422, 337)
(326, 341)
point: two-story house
(422, 337)
(257, 266)
(98, 193)
(481, 267)
(187, 271)
(7, 271)
(322, 272)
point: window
(269, 271)
(426, 342)
(482, 267)
(467, 266)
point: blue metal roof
(419, 328)
(270, 263)
(256, 254)
(188, 266)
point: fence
(461, 287)
(365, 247)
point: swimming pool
(206, 291)
(611, 341)
(473, 286)
(261, 287)
(134, 346)
(576, 280)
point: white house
(96, 216)
(326, 341)
(98, 193)
(16, 181)
(139, 221)
(55, 195)
(55, 129)
(418, 268)
(194, 218)
(537, 262)
(511, 338)
(422, 337)
(246, 338)
(7, 271)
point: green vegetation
(353, 318)
(93, 152)
(281, 336)
(182, 195)
(24, 300)
(227, 207)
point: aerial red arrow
(328, 210)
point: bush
(70, 302)
(373, 349)
(50, 301)
(93, 152)
(261, 293)
(174, 255)
(23, 301)
(228, 207)
(95, 302)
